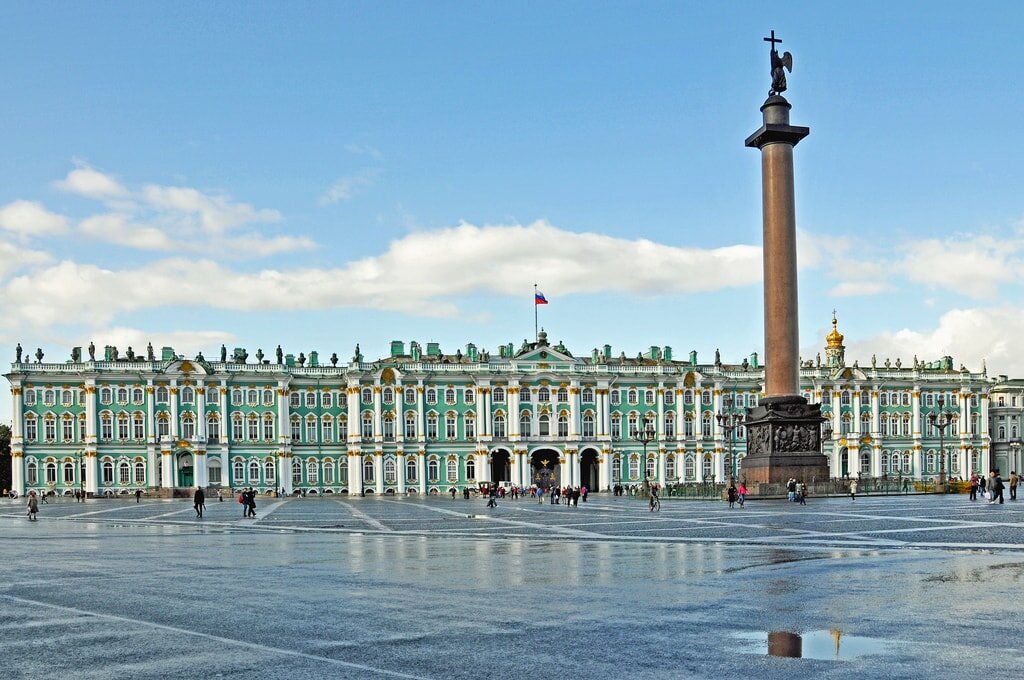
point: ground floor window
(410, 469)
(124, 473)
(368, 475)
(329, 473)
(634, 467)
(269, 472)
(108, 473)
(51, 473)
(389, 471)
(32, 474)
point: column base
(784, 442)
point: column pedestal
(784, 441)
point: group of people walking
(992, 487)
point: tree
(5, 456)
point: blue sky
(187, 173)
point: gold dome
(835, 338)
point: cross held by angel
(780, 64)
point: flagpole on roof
(536, 335)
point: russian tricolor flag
(539, 299)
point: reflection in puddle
(816, 644)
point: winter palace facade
(426, 421)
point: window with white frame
(268, 397)
(236, 397)
(254, 472)
(67, 428)
(311, 430)
(367, 425)
(615, 398)
(388, 395)
(631, 396)
(433, 469)
(498, 395)
(294, 400)
(366, 395)
(106, 427)
(268, 427)
(649, 397)
(544, 425)
(616, 426)
(431, 396)
(452, 469)
(296, 472)
(469, 395)
(328, 472)
(449, 396)
(670, 396)
(525, 421)
(588, 395)
(310, 399)
(499, 425)
(469, 425)
(368, 470)
(253, 427)
(389, 471)
(140, 473)
(410, 425)
(563, 395)
(108, 473)
(431, 426)
(588, 424)
(163, 425)
(389, 427)
(410, 395)
(563, 425)
(106, 396)
(327, 429)
(213, 428)
(188, 395)
(410, 469)
(238, 472)
(543, 395)
(312, 471)
(236, 427)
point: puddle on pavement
(825, 645)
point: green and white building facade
(424, 421)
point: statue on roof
(92, 351)
(817, 360)
(301, 359)
(718, 357)
(130, 354)
(874, 361)
(259, 355)
(223, 353)
(334, 359)
(280, 355)
(39, 354)
(899, 363)
(149, 352)
(17, 353)
(76, 354)
(358, 356)
(200, 358)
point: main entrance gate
(545, 468)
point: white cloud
(215, 213)
(29, 218)
(419, 274)
(13, 258)
(118, 228)
(855, 288)
(264, 246)
(86, 181)
(184, 342)
(968, 335)
(345, 188)
(973, 266)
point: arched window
(410, 395)
(252, 397)
(327, 429)
(1002, 432)
(865, 423)
(124, 472)
(138, 427)
(367, 395)
(617, 468)
(705, 426)
(563, 395)
(883, 425)
(688, 425)
(670, 466)
(108, 472)
(269, 472)
(367, 425)
(268, 427)
(433, 470)
(310, 399)
(649, 397)
(689, 468)
(634, 467)
(563, 425)
(254, 472)
(213, 428)
(883, 399)
(449, 396)
(708, 471)
(236, 427)
(238, 472)
(140, 473)
(410, 425)
(294, 400)
(431, 396)
(499, 425)
(885, 461)
(670, 397)
(844, 398)
(389, 471)
(525, 395)
(388, 395)
(296, 472)
(136, 395)
(188, 426)
(688, 398)
(188, 395)
(525, 423)
(469, 425)
(631, 396)
(410, 468)
(161, 395)
(106, 427)
(588, 395)
(452, 469)
(236, 397)
(312, 471)
(268, 397)
(499, 395)
(431, 426)
(544, 425)
(311, 436)
(368, 471)
(328, 472)
(31, 473)
(588, 424)
(670, 425)
(470, 468)
(649, 469)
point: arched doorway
(589, 476)
(545, 468)
(501, 466)
(844, 463)
(186, 471)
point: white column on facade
(352, 436)
(856, 413)
(378, 429)
(719, 463)
(659, 396)
(17, 440)
(574, 409)
(201, 412)
(421, 470)
(175, 429)
(90, 412)
(92, 482)
(837, 423)
(875, 413)
(876, 462)
(699, 460)
(680, 419)
(572, 476)
(284, 469)
(225, 470)
(202, 477)
(421, 415)
(486, 427)
(378, 470)
(152, 452)
(355, 473)
(512, 398)
(400, 464)
(915, 402)
(919, 462)
(662, 458)
(604, 470)
(480, 420)
(965, 414)
(167, 480)
(983, 425)
(483, 466)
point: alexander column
(783, 431)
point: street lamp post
(942, 420)
(1015, 445)
(728, 423)
(645, 437)
(81, 475)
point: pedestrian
(741, 493)
(803, 493)
(996, 487)
(732, 493)
(981, 483)
(33, 505)
(791, 489)
(576, 497)
(220, 496)
(252, 502)
(492, 496)
(138, 495)
(1014, 479)
(243, 498)
(44, 498)
(974, 486)
(583, 493)
(199, 501)
(853, 489)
